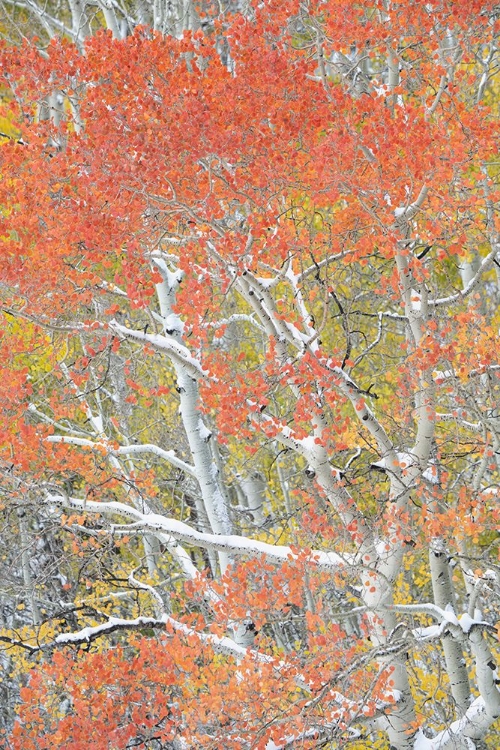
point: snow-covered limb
(448, 621)
(485, 265)
(126, 450)
(91, 633)
(444, 598)
(212, 507)
(285, 329)
(305, 447)
(17, 643)
(86, 635)
(177, 352)
(271, 324)
(405, 213)
(177, 551)
(460, 734)
(233, 544)
(159, 604)
(221, 644)
(486, 673)
(177, 530)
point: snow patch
(267, 283)
(429, 633)
(415, 300)
(466, 622)
(173, 324)
(203, 431)
(449, 615)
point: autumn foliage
(249, 395)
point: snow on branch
(405, 213)
(89, 634)
(472, 725)
(232, 543)
(459, 625)
(177, 352)
(485, 265)
(126, 450)
(220, 644)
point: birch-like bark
(169, 17)
(215, 505)
(444, 597)
(376, 589)
(253, 487)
